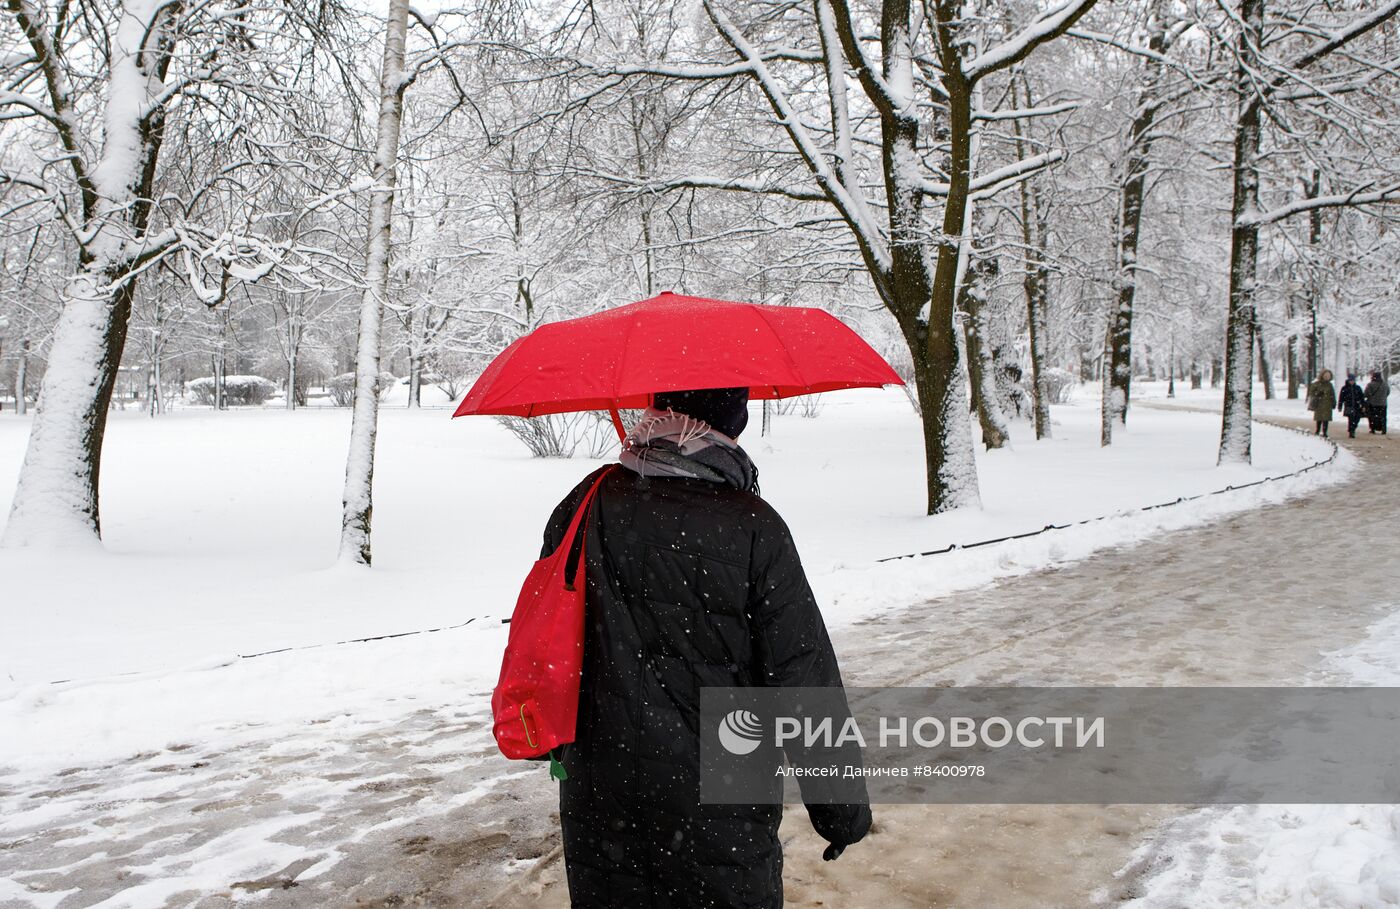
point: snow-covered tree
(104, 81)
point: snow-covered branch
(1048, 110)
(1002, 179)
(700, 181)
(1389, 194)
(1020, 46)
(62, 115)
(993, 182)
(1339, 39)
(697, 72)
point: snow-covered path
(416, 811)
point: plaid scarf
(669, 444)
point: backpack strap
(573, 540)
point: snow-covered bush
(809, 406)
(1014, 398)
(1059, 384)
(565, 435)
(238, 390)
(898, 357)
(313, 368)
(342, 387)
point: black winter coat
(690, 584)
(1352, 400)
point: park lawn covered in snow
(221, 531)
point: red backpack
(535, 703)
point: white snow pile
(1286, 856)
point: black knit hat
(725, 409)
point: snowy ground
(221, 529)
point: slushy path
(422, 815)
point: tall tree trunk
(1292, 367)
(1038, 322)
(22, 378)
(155, 384)
(1312, 189)
(981, 365)
(1119, 350)
(358, 500)
(1037, 287)
(950, 444)
(1108, 414)
(1132, 191)
(415, 380)
(1266, 370)
(1036, 284)
(915, 287)
(1290, 350)
(159, 377)
(952, 478)
(1235, 426)
(291, 403)
(56, 499)
(973, 277)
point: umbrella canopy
(619, 358)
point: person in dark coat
(1322, 400)
(693, 580)
(1352, 402)
(1377, 391)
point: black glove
(840, 826)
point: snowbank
(221, 528)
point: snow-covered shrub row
(238, 390)
(342, 387)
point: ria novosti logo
(740, 732)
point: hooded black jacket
(1352, 400)
(690, 584)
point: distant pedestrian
(1377, 390)
(1322, 400)
(1352, 402)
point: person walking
(1322, 400)
(1377, 391)
(693, 581)
(1352, 402)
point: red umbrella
(618, 358)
